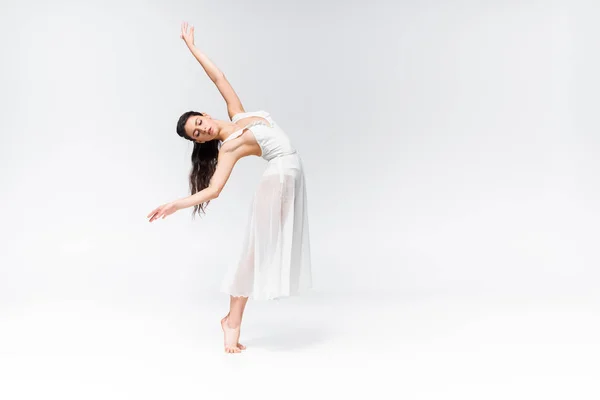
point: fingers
(158, 215)
(184, 29)
(161, 212)
(155, 214)
(152, 212)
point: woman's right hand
(187, 36)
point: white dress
(275, 260)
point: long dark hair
(204, 161)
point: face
(201, 128)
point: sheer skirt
(275, 259)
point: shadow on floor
(288, 338)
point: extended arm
(234, 105)
(228, 155)
(225, 162)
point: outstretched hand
(163, 211)
(187, 36)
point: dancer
(275, 259)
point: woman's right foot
(232, 336)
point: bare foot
(232, 336)
(239, 345)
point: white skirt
(275, 261)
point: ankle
(232, 324)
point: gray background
(447, 144)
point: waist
(292, 153)
(285, 164)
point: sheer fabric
(275, 259)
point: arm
(225, 162)
(234, 105)
(229, 154)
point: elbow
(214, 193)
(218, 76)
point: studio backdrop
(448, 145)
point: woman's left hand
(163, 211)
(187, 36)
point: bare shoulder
(242, 146)
(250, 119)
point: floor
(318, 346)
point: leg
(237, 305)
(272, 230)
(244, 277)
(273, 203)
(232, 322)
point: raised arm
(234, 105)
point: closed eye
(198, 122)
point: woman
(275, 259)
